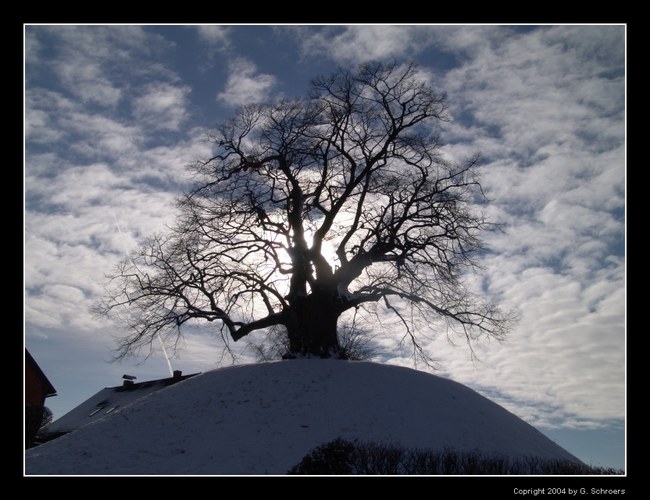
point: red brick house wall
(37, 388)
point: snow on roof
(107, 401)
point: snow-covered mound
(262, 419)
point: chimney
(177, 374)
(128, 380)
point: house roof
(47, 385)
(107, 401)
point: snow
(106, 401)
(262, 419)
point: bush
(343, 457)
(36, 417)
(356, 344)
(333, 458)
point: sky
(114, 114)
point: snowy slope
(262, 419)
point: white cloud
(536, 93)
(364, 43)
(547, 111)
(91, 62)
(245, 85)
(85, 78)
(214, 35)
(469, 42)
(99, 136)
(90, 200)
(598, 46)
(162, 106)
(99, 217)
(43, 110)
(33, 46)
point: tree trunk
(311, 327)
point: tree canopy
(312, 207)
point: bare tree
(355, 168)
